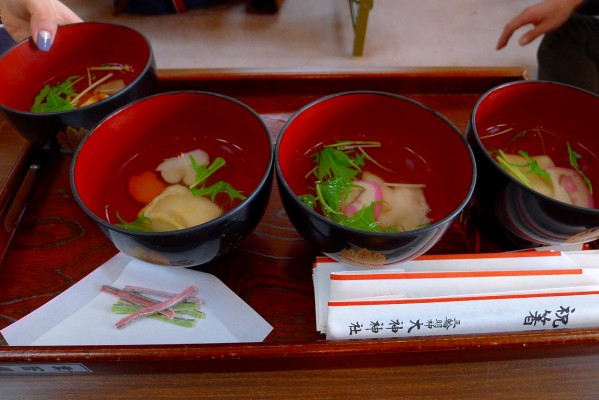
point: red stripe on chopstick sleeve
(350, 303)
(453, 274)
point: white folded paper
(458, 294)
(81, 315)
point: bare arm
(36, 18)
(545, 16)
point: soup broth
(537, 141)
(119, 201)
(394, 164)
(83, 86)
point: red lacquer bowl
(418, 144)
(25, 70)
(540, 118)
(139, 136)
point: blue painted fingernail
(44, 40)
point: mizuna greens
(80, 90)
(539, 172)
(347, 194)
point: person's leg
(570, 54)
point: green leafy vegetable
(574, 157)
(364, 220)
(64, 97)
(333, 163)
(336, 166)
(141, 224)
(308, 199)
(532, 165)
(218, 187)
(202, 173)
(56, 98)
(331, 193)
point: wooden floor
(316, 34)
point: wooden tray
(55, 245)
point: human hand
(545, 17)
(36, 18)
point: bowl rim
(150, 62)
(475, 136)
(391, 235)
(264, 180)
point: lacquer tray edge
(320, 353)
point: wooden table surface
(55, 245)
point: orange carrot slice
(145, 187)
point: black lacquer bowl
(539, 118)
(25, 70)
(418, 145)
(140, 136)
